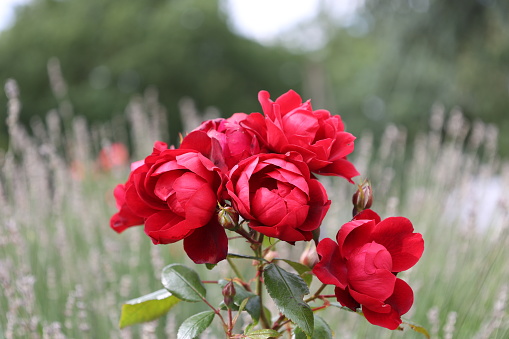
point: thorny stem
(218, 312)
(317, 294)
(246, 235)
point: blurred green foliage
(392, 60)
(110, 50)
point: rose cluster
(262, 167)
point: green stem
(234, 268)
(259, 282)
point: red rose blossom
(224, 141)
(364, 262)
(291, 125)
(277, 195)
(175, 192)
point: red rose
(364, 262)
(176, 192)
(277, 195)
(224, 141)
(124, 218)
(291, 125)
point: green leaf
(253, 304)
(287, 290)
(194, 325)
(298, 333)
(302, 270)
(417, 328)
(183, 282)
(147, 308)
(263, 334)
(322, 329)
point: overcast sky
(258, 19)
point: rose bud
(228, 293)
(228, 218)
(362, 198)
(309, 257)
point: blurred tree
(110, 50)
(391, 60)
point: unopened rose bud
(363, 197)
(270, 255)
(228, 218)
(228, 293)
(309, 257)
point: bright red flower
(175, 192)
(224, 141)
(291, 125)
(277, 195)
(364, 262)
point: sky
(251, 18)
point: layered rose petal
(174, 192)
(346, 299)
(124, 218)
(276, 194)
(166, 227)
(331, 269)
(224, 141)
(396, 234)
(364, 262)
(369, 271)
(397, 305)
(207, 244)
(292, 125)
(353, 235)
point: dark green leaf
(299, 334)
(183, 282)
(147, 308)
(322, 329)
(263, 334)
(194, 325)
(287, 290)
(302, 270)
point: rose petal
(396, 234)
(268, 207)
(331, 268)
(346, 299)
(166, 227)
(340, 167)
(207, 244)
(369, 271)
(284, 233)
(368, 215)
(353, 235)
